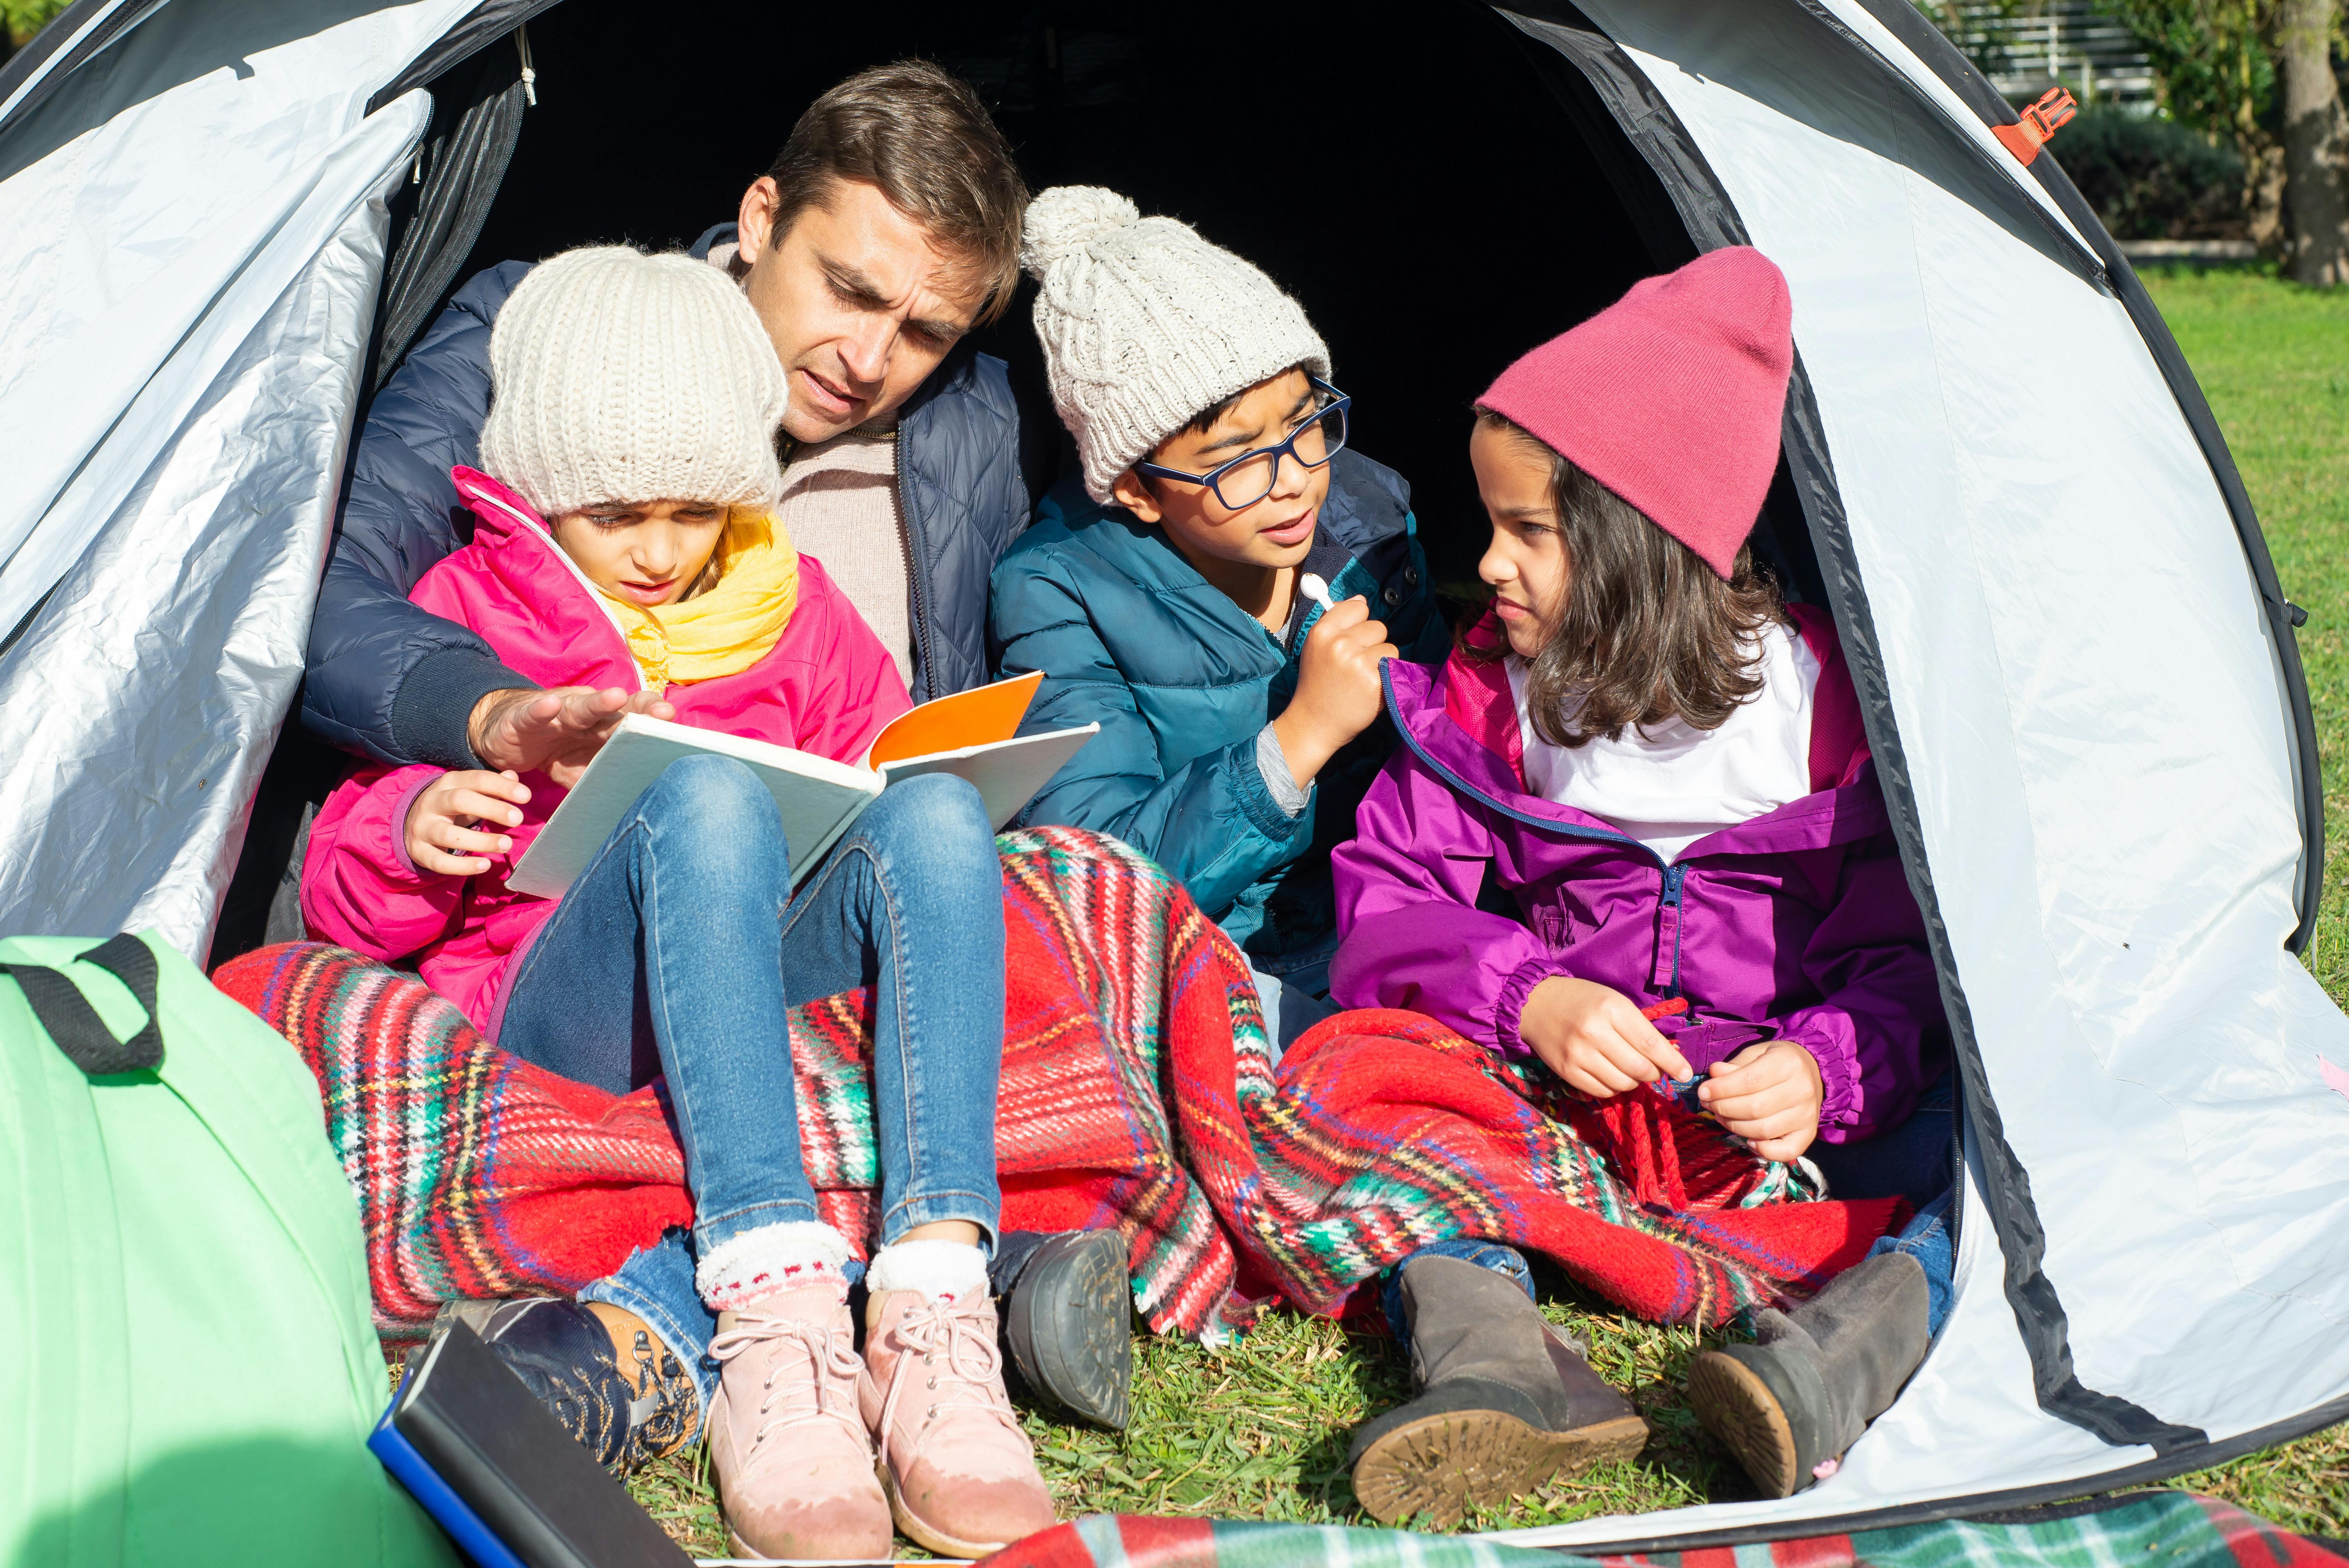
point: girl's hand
(1338, 693)
(1592, 1037)
(440, 830)
(1768, 1095)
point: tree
(2315, 143)
(2215, 73)
(20, 19)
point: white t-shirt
(1671, 788)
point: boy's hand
(557, 731)
(1769, 1095)
(442, 835)
(1338, 691)
(1592, 1036)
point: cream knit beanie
(1144, 325)
(619, 376)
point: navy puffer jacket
(388, 679)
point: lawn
(1260, 1431)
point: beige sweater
(840, 505)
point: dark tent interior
(1440, 196)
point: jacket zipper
(917, 575)
(1669, 900)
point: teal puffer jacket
(1181, 679)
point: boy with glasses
(1170, 595)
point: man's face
(1275, 531)
(860, 304)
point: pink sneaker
(794, 1466)
(961, 1476)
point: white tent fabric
(194, 239)
(2090, 711)
(2086, 689)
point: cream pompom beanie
(620, 377)
(1144, 325)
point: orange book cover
(980, 716)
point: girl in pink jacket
(1661, 768)
(624, 542)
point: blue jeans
(681, 950)
(1293, 991)
(1916, 1160)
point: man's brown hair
(1648, 633)
(925, 141)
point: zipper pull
(1664, 974)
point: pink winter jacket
(827, 687)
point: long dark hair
(1648, 633)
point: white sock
(781, 1256)
(935, 1268)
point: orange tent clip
(2041, 120)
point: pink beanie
(1671, 396)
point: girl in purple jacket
(1661, 765)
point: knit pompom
(1067, 218)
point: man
(887, 228)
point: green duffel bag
(190, 1373)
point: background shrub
(2152, 178)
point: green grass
(1260, 1431)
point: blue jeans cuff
(688, 1340)
(1495, 1255)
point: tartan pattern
(1137, 1093)
(2176, 1530)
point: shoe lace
(972, 1370)
(831, 1359)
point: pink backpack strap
(1477, 698)
(1838, 739)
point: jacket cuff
(398, 826)
(1254, 795)
(1511, 1002)
(1837, 1053)
(434, 705)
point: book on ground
(970, 734)
(513, 1488)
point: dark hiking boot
(1789, 1404)
(1505, 1403)
(605, 1374)
(1068, 1311)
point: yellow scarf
(729, 626)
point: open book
(969, 735)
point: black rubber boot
(1505, 1403)
(625, 1409)
(1790, 1404)
(1067, 1320)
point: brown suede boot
(1505, 1403)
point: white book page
(1008, 773)
(819, 797)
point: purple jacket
(1797, 924)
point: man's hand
(1338, 690)
(441, 829)
(557, 732)
(1769, 1095)
(1592, 1036)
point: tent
(223, 223)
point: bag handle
(62, 1010)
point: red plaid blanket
(1136, 1093)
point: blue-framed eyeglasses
(1248, 477)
